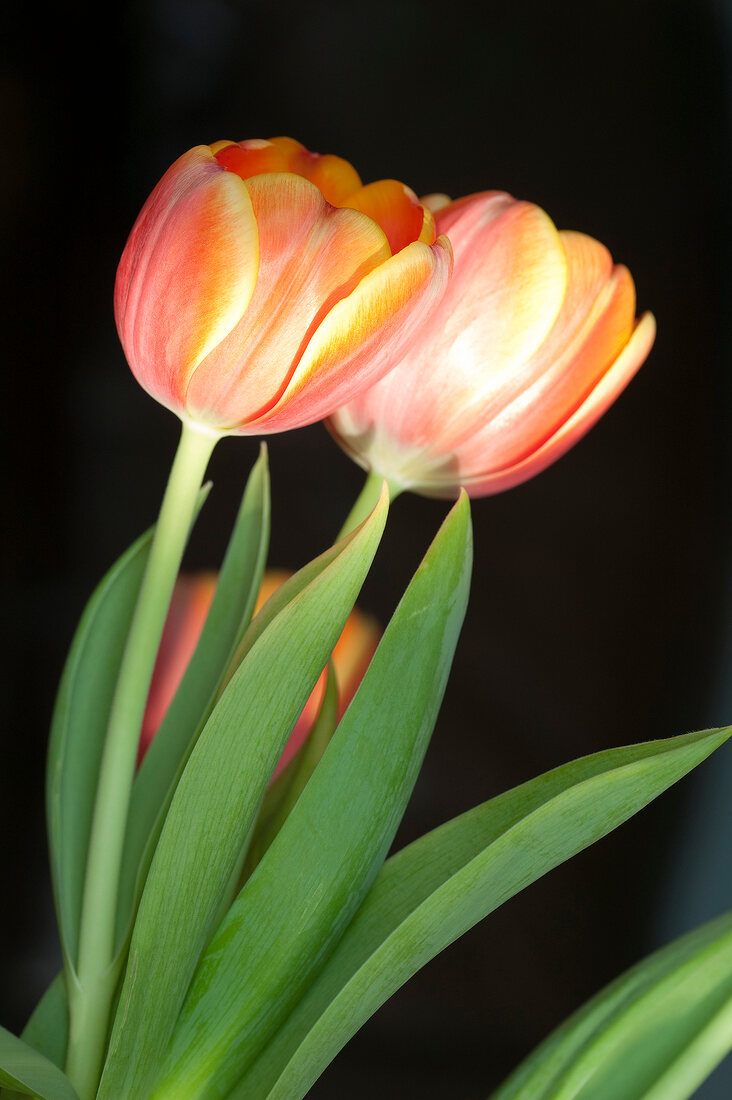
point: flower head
(263, 285)
(533, 340)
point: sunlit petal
(531, 342)
(597, 403)
(312, 255)
(364, 335)
(187, 273)
(397, 210)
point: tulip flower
(263, 285)
(534, 339)
(192, 598)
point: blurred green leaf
(26, 1071)
(230, 613)
(216, 802)
(294, 908)
(48, 1028)
(433, 891)
(47, 1031)
(79, 728)
(654, 1034)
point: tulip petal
(435, 201)
(397, 210)
(311, 256)
(363, 336)
(252, 158)
(505, 293)
(187, 273)
(603, 395)
(335, 177)
(594, 325)
(509, 285)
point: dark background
(598, 612)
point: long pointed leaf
(236, 593)
(79, 727)
(216, 802)
(284, 792)
(654, 1034)
(26, 1071)
(294, 908)
(430, 893)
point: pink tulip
(188, 610)
(533, 340)
(263, 285)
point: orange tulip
(190, 604)
(263, 285)
(534, 339)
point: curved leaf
(654, 1034)
(294, 908)
(79, 728)
(26, 1071)
(48, 1028)
(284, 792)
(433, 891)
(231, 610)
(216, 802)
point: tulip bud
(262, 285)
(532, 342)
(188, 610)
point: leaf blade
(454, 877)
(26, 1071)
(655, 1033)
(231, 610)
(48, 1027)
(78, 730)
(79, 727)
(229, 769)
(273, 940)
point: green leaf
(79, 728)
(294, 908)
(48, 1028)
(47, 1031)
(26, 1071)
(433, 891)
(283, 793)
(654, 1034)
(216, 802)
(231, 610)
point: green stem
(367, 500)
(91, 988)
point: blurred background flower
(596, 615)
(189, 607)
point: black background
(597, 613)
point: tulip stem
(91, 986)
(367, 500)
